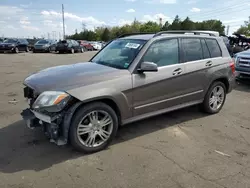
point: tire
(16, 50)
(77, 141)
(49, 50)
(27, 49)
(34, 51)
(72, 50)
(81, 50)
(209, 98)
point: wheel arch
(80, 104)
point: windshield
(119, 53)
(10, 41)
(42, 42)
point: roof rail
(138, 33)
(211, 33)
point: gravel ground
(182, 149)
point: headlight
(52, 101)
(12, 45)
(46, 45)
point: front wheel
(27, 49)
(16, 50)
(93, 127)
(215, 98)
(72, 50)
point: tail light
(232, 66)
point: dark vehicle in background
(14, 45)
(45, 45)
(87, 46)
(69, 46)
(242, 64)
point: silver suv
(134, 77)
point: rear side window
(206, 53)
(214, 48)
(192, 49)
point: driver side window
(163, 52)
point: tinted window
(163, 53)
(206, 53)
(213, 47)
(192, 49)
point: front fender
(123, 100)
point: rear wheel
(93, 127)
(215, 98)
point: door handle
(209, 63)
(177, 71)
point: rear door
(196, 60)
(156, 91)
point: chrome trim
(155, 113)
(165, 100)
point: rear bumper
(41, 50)
(232, 84)
(63, 49)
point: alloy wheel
(95, 128)
(217, 97)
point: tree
(244, 29)
(150, 27)
(165, 27)
(187, 24)
(105, 35)
(176, 24)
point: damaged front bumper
(55, 125)
(52, 125)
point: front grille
(30, 94)
(244, 62)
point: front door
(156, 91)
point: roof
(177, 33)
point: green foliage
(244, 29)
(106, 34)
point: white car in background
(96, 45)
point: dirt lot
(176, 150)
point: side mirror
(148, 67)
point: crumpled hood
(68, 77)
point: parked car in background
(45, 45)
(96, 45)
(14, 45)
(242, 64)
(86, 45)
(134, 77)
(69, 45)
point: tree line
(108, 33)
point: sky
(43, 18)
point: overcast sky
(25, 18)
